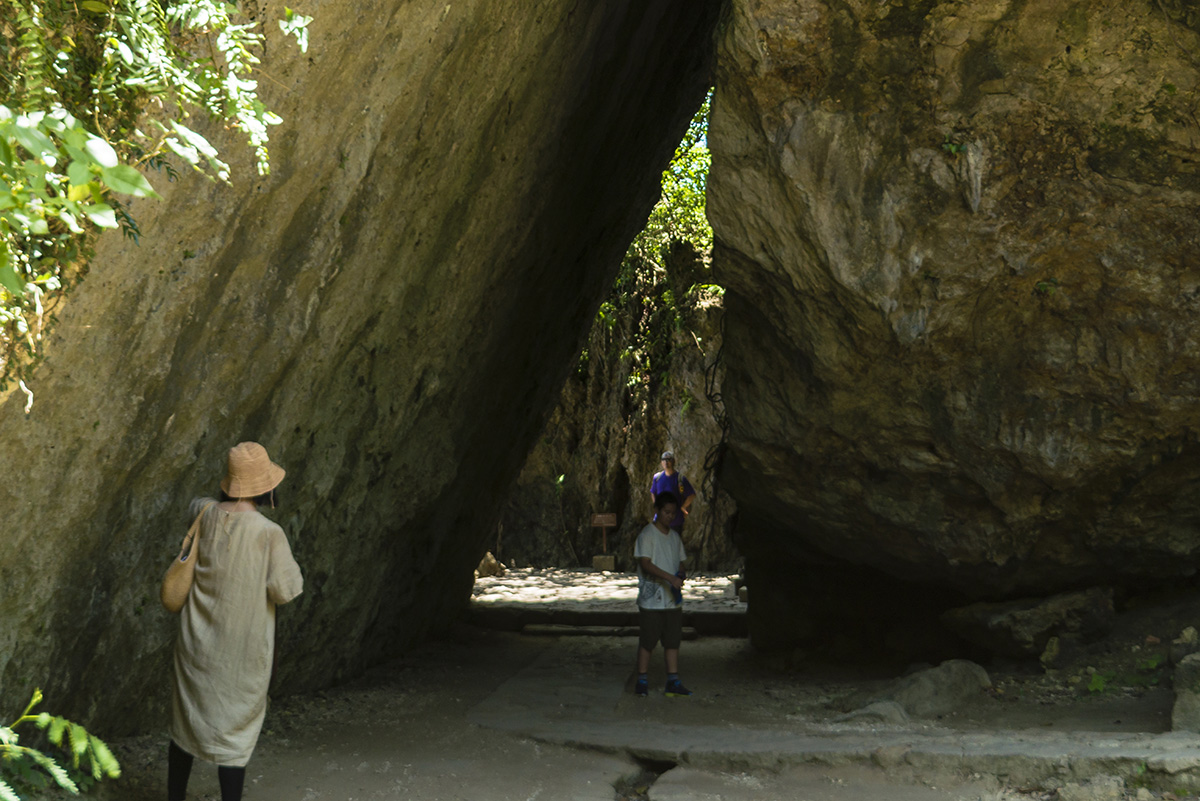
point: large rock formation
(959, 243)
(391, 312)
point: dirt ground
(487, 715)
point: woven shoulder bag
(177, 582)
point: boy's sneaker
(642, 688)
(675, 689)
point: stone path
(502, 716)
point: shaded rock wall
(959, 241)
(609, 428)
(391, 312)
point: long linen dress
(227, 633)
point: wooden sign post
(602, 521)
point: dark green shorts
(660, 624)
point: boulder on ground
(1188, 642)
(489, 565)
(938, 690)
(1061, 651)
(927, 693)
(1185, 716)
(1024, 627)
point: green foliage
(679, 213)
(1140, 675)
(76, 81)
(31, 769)
(649, 301)
(1100, 681)
(952, 146)
(1047, 287)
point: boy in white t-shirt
(659, 554)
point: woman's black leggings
(179, 769)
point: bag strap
(193, 533)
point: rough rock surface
(939, 690)
(1024, 627)
(391, 312)
(1185, 715)
(958, 241)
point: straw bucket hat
(251, 472)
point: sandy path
(499, 716)
(421, 727)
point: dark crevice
(636, 787)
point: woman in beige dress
(226, 642)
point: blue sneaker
(641, 689)
(675, 689)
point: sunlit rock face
(391, 312)
(960, 245)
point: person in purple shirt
(671, 480)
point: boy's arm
(651, 569)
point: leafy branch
(80, 86)
(27, 764)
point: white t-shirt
(665, 552)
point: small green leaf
(78, 173)
(126, 180)
(101, 215)
(79, 741)
(69, 220)
(28, 136)
(188, 154)
(195, 140)
(101, 152)
(123, 49)
(104, 757)
(94, 6)
(57, 726)
(11, 281)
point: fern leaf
(103, 757)
(7, 793)
(32, 37)
(55, 770)
(79, 741)
(57, 725)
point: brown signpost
(602, 521)
(603, 560)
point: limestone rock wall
(391, 312)
(959, 241)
